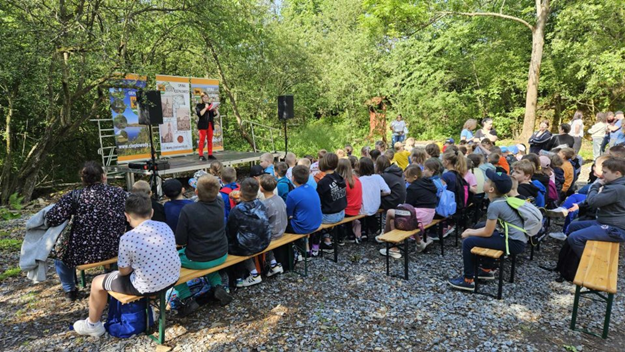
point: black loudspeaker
(285, 107)
(150, 109)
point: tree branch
(490, 14)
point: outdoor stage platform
(190, 163)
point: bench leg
(406, 243)
(575, 306)
(531, 252)
(161, 319)
(388, 271)
(500, 288)
(82, 279)
(335, 239)
(512, 266)
(608, 312)
(457, 232)
(440, 238)
(476, 268)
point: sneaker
(327, 248)
(393, 253)
(275, 270)
(423, 244)
(378, 240)
(558, 236)
(250, 281)
(223, 295)
(211, 157)
(357, 240)
(449, 231)
(202, 158)
(313, 254)
(559, 212)
(82, 327)
(486, 275)
(461, 284)
(72, 295)
(188, 307)
(364, 236)
(341, 242)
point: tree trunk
(5, 179)
(228, 91)
(538, 43)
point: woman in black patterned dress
(98, 223)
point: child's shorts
(120, 283)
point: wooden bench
(398, 238)
(498, 256)
(189, 274)
(598, 272)
(106, 264)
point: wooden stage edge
(191, 163)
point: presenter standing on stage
(206, 113)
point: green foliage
(10, 245)
(9, 273)
(15, 203)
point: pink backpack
(552, 192)
(406, 218)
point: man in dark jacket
(249, 231)
(562, 139)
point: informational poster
(211, 88)
(132, 139)
(175, 132)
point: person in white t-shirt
(148, 262)
(577, 130)
(373, 189)
(398, 128)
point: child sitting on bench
(201, 230)
(276, 213)
(147, 260)
(174, 191)
(491, 234)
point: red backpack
(406, 218)
(227, 191)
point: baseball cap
(503, 149)
(521, 147)
(502, 182)
(545, 162)
(257, 170)
(172, 188)
(513, 149)
(450, 140)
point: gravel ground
(349, 306)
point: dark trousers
(496, 241)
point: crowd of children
(298, 195)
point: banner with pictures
(210, 87)
(175, 132)
(131, 138)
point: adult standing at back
(467, 130)
(563, 139)
(616, 131)
(597, 132)
(398, 127)
(98, 223)
(577, 130)
(487, 131)
(540, 139)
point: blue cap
(502, 182)
(450, 140)
(504, 149)
(513, 149)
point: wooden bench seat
(487, 252)
(344, 221)
(598, 272)
(95, 265)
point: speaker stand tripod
(154, 176)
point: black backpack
(462, 192)
(568, 261)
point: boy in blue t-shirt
(284, 184)
(303, 206)
(228, 178)
(266, 161)
(174, 191)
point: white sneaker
(423, 244)
(449, 232)
(378, 240)
(558, 236)
(82, 327)
(250, 281)
(559, 212)
(393, 253)
(275, 270)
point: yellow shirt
(401, 158)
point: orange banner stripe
(172, 79)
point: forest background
(438, 63)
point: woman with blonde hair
(467, 130)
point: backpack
(539, 201)
(406, 218)
(289, 183)
(552, 194)
(446, 199)
(126, 320)
(530, 215)
(568, 261)
(462, 190)
(227, 191)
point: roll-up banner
(175, 132)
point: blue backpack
(539, 201)
(446, 199)
(126, 320)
